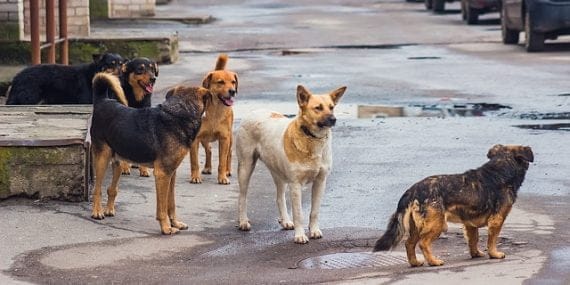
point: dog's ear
(97, 57)
(337, 94)
(525, 153)
(170, 92)
(494, 151)
(124, 66)
(303, 95)
(207, 80)
(236, 78)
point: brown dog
(162, 136)
(476, 198)
(217, 123)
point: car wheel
(429, 4)
(438, 6)
(534, 41)
(472, 15)
(510, 37)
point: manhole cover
(353, 260)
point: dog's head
(108, 62)
(317, 111)
(186, 101)
(141, 74)
(522, 154)
(223, 84)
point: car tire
(472, 15)
(534, 41)
(510, 36)
(438, 6)
(429, 4)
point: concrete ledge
(43, 154)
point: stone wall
(131, 8)
(77, 19)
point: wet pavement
(388, 53)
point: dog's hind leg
(472, 236)
(163, 181)
(296, 205)
(172, 206)
(284, 219)
(411, 242)
(225, 148)
(101, 157)
(317, 191)
(431, 228)
(113, 189)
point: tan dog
(217, 123)
(297, 152)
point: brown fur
(217, 123)
(476, 198)
(169, 130)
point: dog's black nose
(152, 80)
(232, 92)
(331, 120)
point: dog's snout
(152, 79)
(331, 120)
(232, 92)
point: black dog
(60, 84)
(137, 79)
(157, 137)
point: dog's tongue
(149, 88)
(228, 102)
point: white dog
(297, 152)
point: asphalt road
(388, 53)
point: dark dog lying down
(60, 84)
(157, 137)
(476, 198)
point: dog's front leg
(317, 191)
(162, 181)
(225, 146)
(172, 206)
(194, 163)
(300, 236)
(284, 219)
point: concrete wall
(131, 8)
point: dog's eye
(220, 82)
(331, 107)
(319, 108)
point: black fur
(59, 84)
(138, 65)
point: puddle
(545, 116)
(423, 57)
(550, 127)
(429, 110)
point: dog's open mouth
(147, 87)
(227, 101)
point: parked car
(471, 9)
(539, 19)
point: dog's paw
(315, 233)
(302, 238)
(206, 171)
(196, 180)
(477, 253)
(179, 225)
(97, 214)
(223, 180)
(244, 226)
(415, 263)
(436, 262)
(287, 224)
(497, 255)
(109, 212)
(143, 172)
(170, 231)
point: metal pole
(35, 31)
(64, 48)
(50, 29)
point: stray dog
(162, 136)
(476, 198)
(137, 80)
(60, 84)
(217, 123)
(297, 152)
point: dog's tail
(102, 83)
(222, 61)
(398, 224)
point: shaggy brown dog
(217, 123)
(476, 198)
(162, 136)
